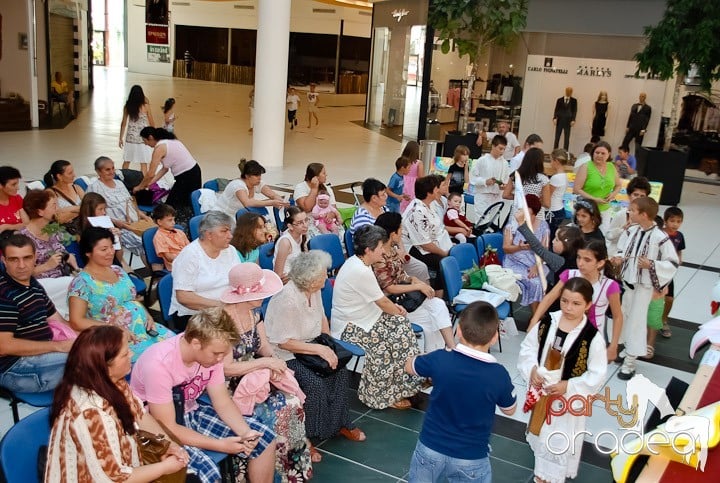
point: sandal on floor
(354, 434)
(650, 353)
(401, 404)
(665, 331)
(315, 455)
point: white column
(271, 69)
(32, 64)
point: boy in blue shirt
(467, 385)
(396, 184)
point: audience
(30, 360)
(200, 271)
(520, 258)
(183, 368)
(12, 215)
(95, 417)
(168, 240)
(327, 405)
(432, 314)
(424, 234)
(292, 242)
(252, 363)
(250, 233)
(240, 192)
(61, 179)
(363, 315)
(104, 294)
(120, 207)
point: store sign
(400, 13)
(593, 71)
(156, 34)
(548, 67)
(158, 53)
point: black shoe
(295, 121)
(291, 126)
(625, 376)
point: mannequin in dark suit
(637, 122)
(564, 117)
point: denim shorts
(430, 466)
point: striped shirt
(362, 217)
(24, 310)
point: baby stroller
(491, 220)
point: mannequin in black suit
(564, 117)
(637, 122)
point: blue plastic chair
(260, 210)
(279, 221)
(153, 258)
(494, 240)
(164, 291)
(349, 248)
(329, 243)
(81, 183)
(212, 185)
(74, 248)
(240, 213)
(195, 226)
(465, 254)
(265, 259)
(327, 294)
(195, 202)
(36, 399)
(20, 446)
(469, 200)
(480, 246)
(139, 283)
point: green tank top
(598, 185)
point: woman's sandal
(401, 404)
(354, 434)
(650, 352)
(665, 331)
(315, 455)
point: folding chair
(349, 248)
(195, 226)
(153, 259)
(36, 399)
(21, 445)
(266, 259)
(81, 183)
(212, 185)
(195, 202)
(164, 292)
(279, 221)
(327, 294)
(494, 240)
(465, 254)
(329, 243)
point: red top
(10, 213)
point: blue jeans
(35, 373)
(430, 466)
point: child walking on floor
(647, 262)
(563, 356)
(453, 443)
(396, 185)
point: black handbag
(410, 301)
(319, 365)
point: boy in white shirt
(489, 174)
(293, 101)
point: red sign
(156, 34)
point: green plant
(56, 228)
(474, 25)
(688, 36)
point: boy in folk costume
(647, 261)
(561, 357)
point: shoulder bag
(319, 365)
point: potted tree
(686, 39)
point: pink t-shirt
(160, 368)
(602, 290)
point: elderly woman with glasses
(200, 271)
(363, 315)
(327, 404)
(292, 242)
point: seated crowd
(252, 339)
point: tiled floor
(213, 123)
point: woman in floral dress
(283, 411)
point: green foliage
(475, 24)
(687, 35)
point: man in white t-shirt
(293, 101)
(312, 98)
(503, 129)
(532, 141)
(489, 174)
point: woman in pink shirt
(174, 156)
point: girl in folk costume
(564, 356)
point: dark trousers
(432, 260)
(560, 127)
(630, 135)
(291, 116)
(185, 184)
